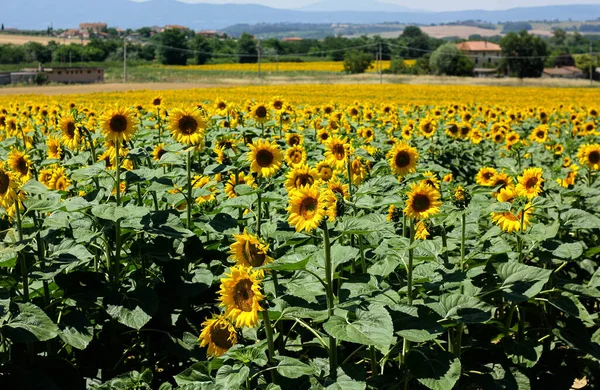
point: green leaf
(31, 324)
(368, 327)
(114, 213)
(222, 222)
(462, 308)
(198, 372)
(291, 262)
(47, 205)
(229, 377)
(579, 219)
(521, 282)
(133, 309)
(294, 368)
(437, 371)
(76, 330)
(4, 304)
(572, 250)
(415, 323)
(525, 353)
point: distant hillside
(38, 14)
(356, 5)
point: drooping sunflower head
(249, 251)
(325, 171)
(53, 148)
(234, 180)
(431, 179)
(422, 202)
(339, 189)
(403, 159)
(265, 158)
(8, 187)
(530, 183)
(59, 180)
(448, 178)
(485, 176)
(219, 335)
(187, 126)
(241, 296)
(159, 151)
(118, 124)
(294, 139)
(512, 220)
(421, 232)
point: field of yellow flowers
(307, 237)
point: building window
(476, 60)
(489, 60)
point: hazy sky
(434, 5)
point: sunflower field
(305, 237)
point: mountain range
(39, 14)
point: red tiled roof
(478, 46)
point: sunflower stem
(330, 302)
(258, 212)
(189, 189)
(374, 364)
(270, 344)
(460, 327)
(117, 260)
(24, 274)
(406, 343)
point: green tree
(526, 54)
(36, 52)
(202, 50)
(449, 60)
(246, 48)
(173, 49)
(356, 61)
(586, 64)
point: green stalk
(406, 343)
(519, 236)
(189, 189)
(270, 344)
(24, 274)
(259, 212)
(374, 364)
(460, 328)
(117, 262)
(329, 291)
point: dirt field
(282, 80)
(23, 39)
(446, 31)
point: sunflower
(301, 176)
(338, 188)
(323, 136)
(277, 103)
(249, 251)
(427, 127)
(325, 170)
(222, 108)
(20, 164)
(512, 138)
(260, 112)
(530, 184)
(432, 180)
(295, 156)
(265, 158)
(71, 136)
(421, 232)
(157, 101)
(485, 176)
(423, 201)
(234, 180)
(45, 175)
(53, 148)
(219, 335)
(337, 151)
(187, 126)
(501, 179)
(589, 155)
(359, 170)
(159, 151)
(8, 187)
(307, 207)
(117, 125)
(367, 134)
(403, 158)
(59, 180)
(240, 295)
(108, 158)
(294, 139)
(539, 134)
(394, 214)
(452, 129)
(448, 178)
(508, 220)
(203, 182)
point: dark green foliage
(202, 50)
(247, 49)
(526, 54)
(357, 61)
(449, 60)
(174, 47)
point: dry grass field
(23, 39)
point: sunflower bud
(461, 197)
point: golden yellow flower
(249, 251)
(423, 201)
(403, 158)
(203, 182)
(300, 176)
(219, 335)
(234, 180)
(294, 139)
(325, 171)
(508, 220)
(59, 179)
(307, 207)
(589, 155)
(421, 232)
(260, 112)
(240, 295)
(265, 158)
(8, 187)
(20, 164)
(447, 178)
(485, 176)
(53, 148)
(432, 180)
(117, 124)
(530, 184)
(295, 156)
(159, 151)
(337, 151)
(539, 134)
(71, 135)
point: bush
(449, 60)
(398, 66)
(40, 78)
(356, 61)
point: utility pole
(70, 63)
(380, 65)
(277, 62)
(124, 59)
(258, 58)
(591, 66)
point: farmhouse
(564, 72)
(483, 54)
(92, 28)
